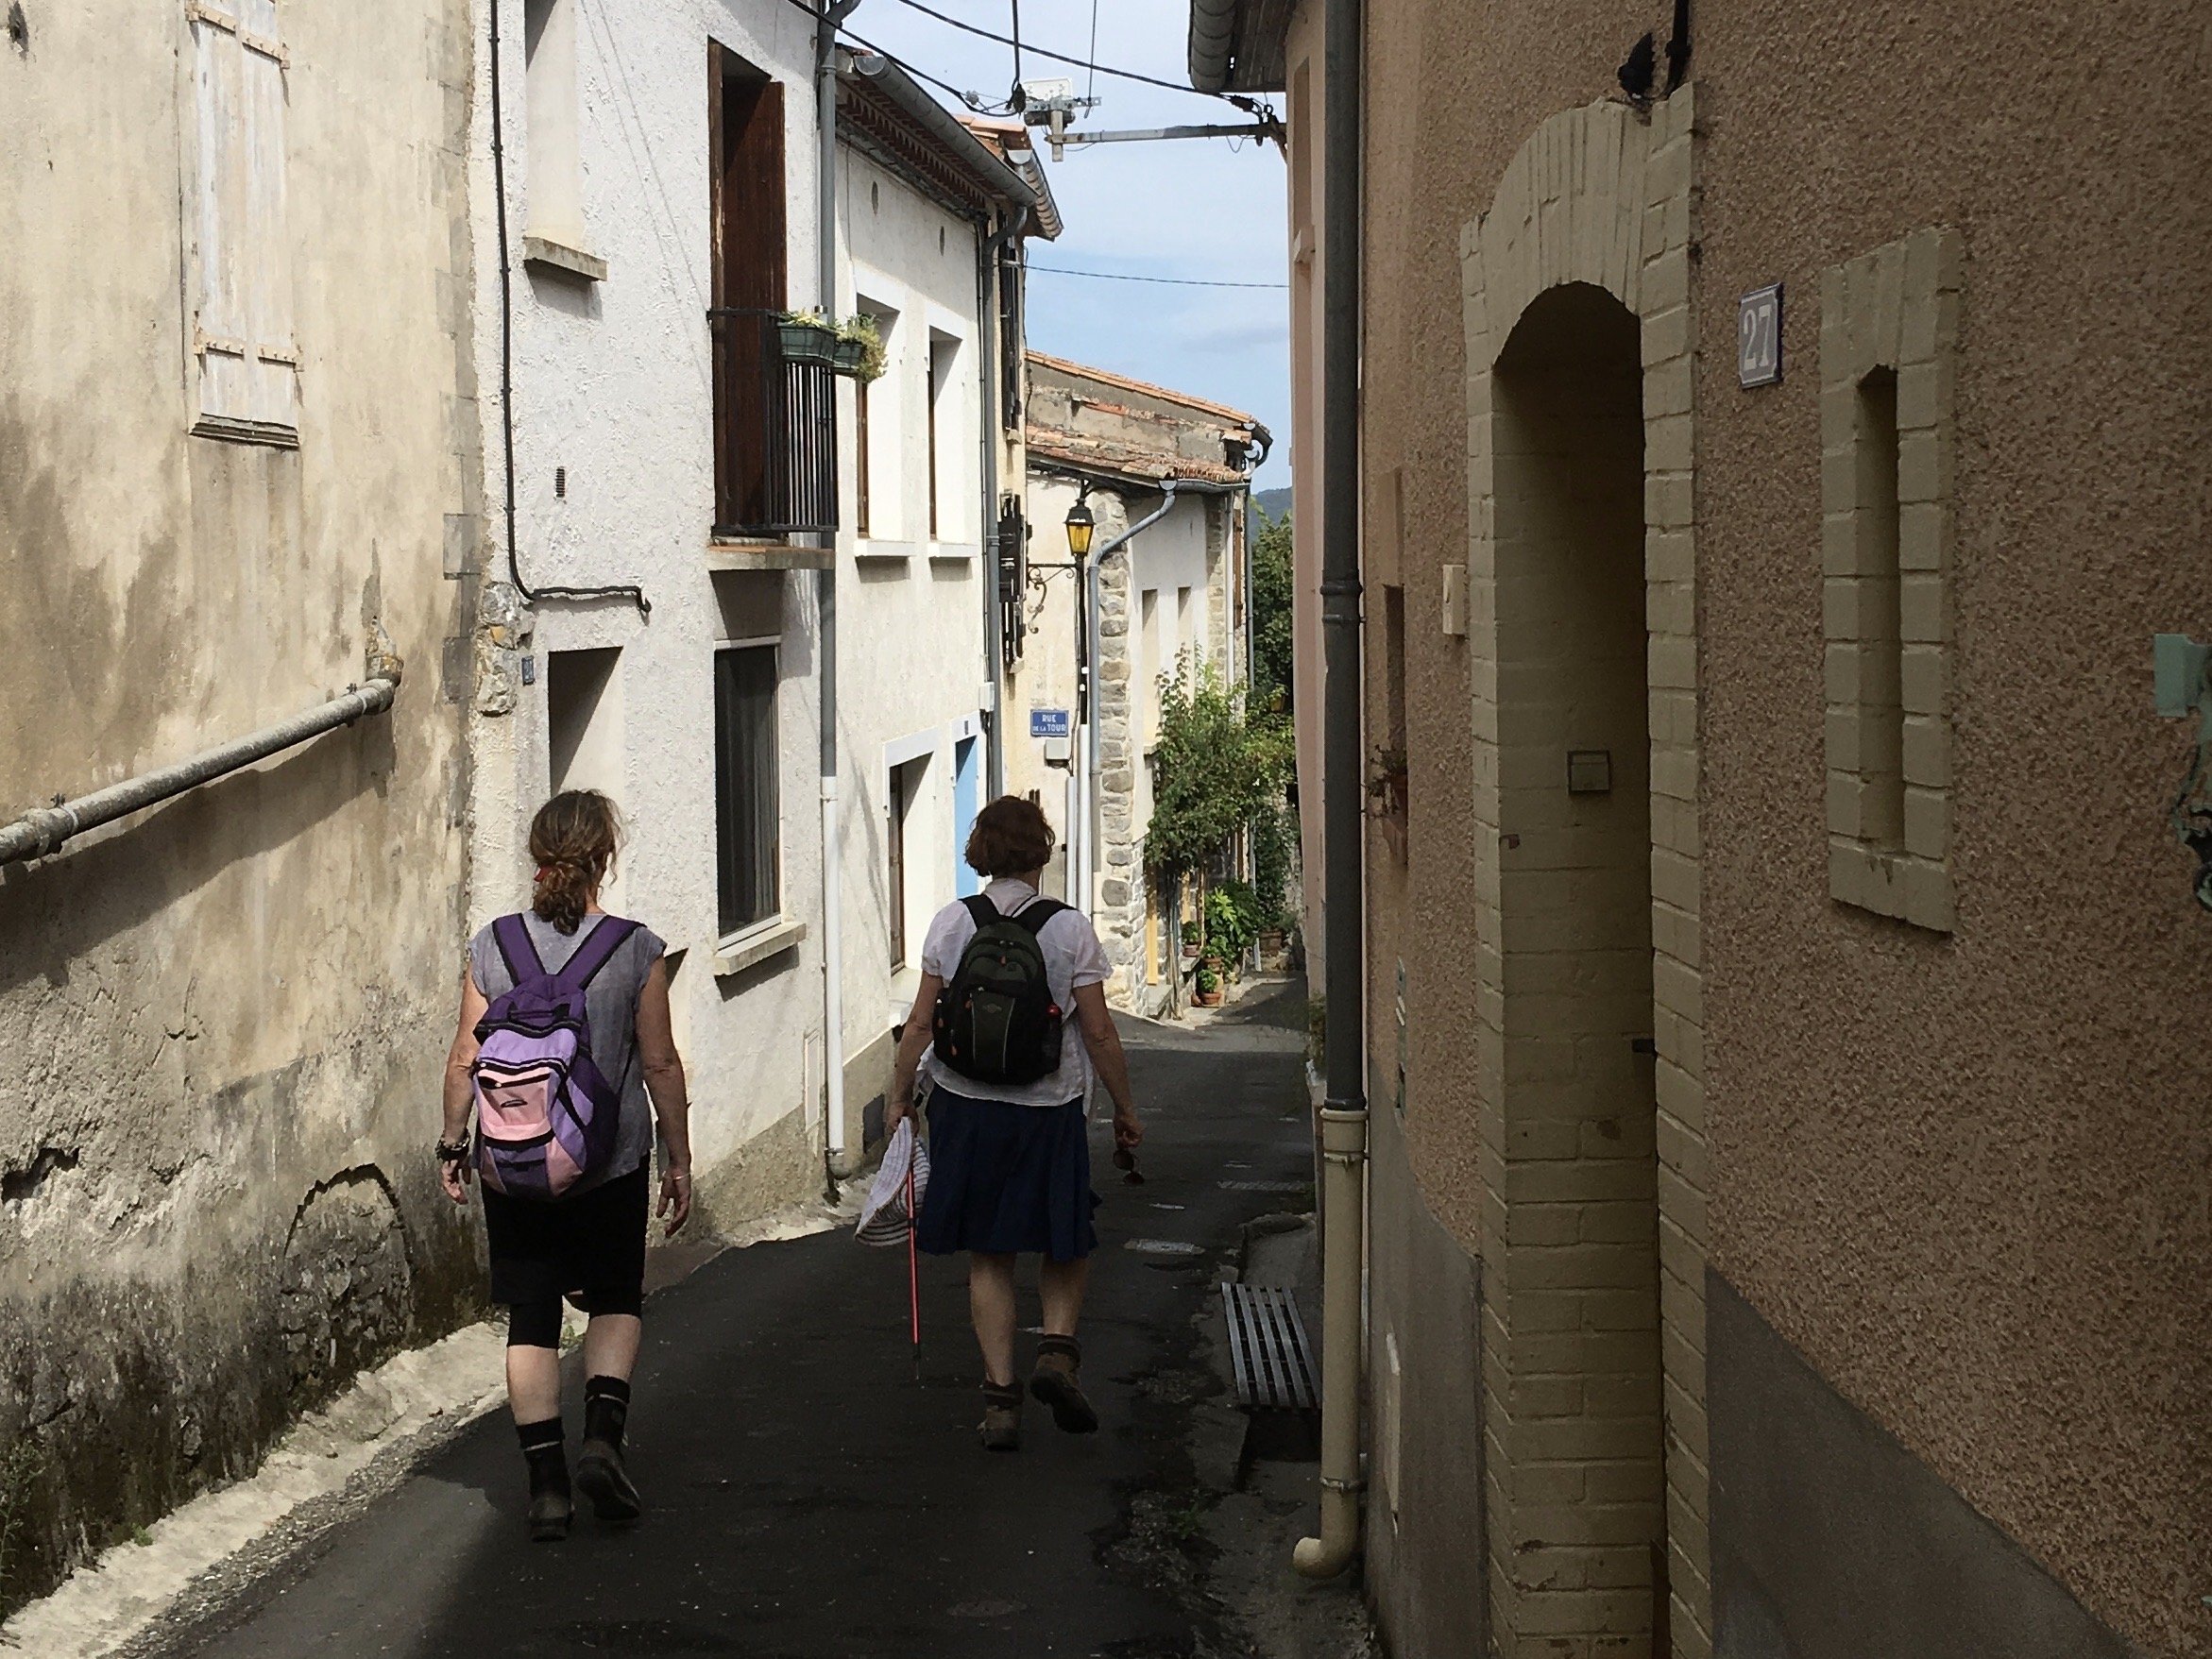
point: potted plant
(1190, 942)
(858, 349)
(806, 336)
(1274, 942)
(1206, 987)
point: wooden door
(750, 283)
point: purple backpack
(545, 1117)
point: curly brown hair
(573, 839)
(1010, 838)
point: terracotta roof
(1090, 455)
(1234, 418)
(1010, 141)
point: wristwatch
(452, 1151)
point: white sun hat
(887, 1215)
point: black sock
(546, 1451)
(606, 1409)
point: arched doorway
(1575, 940)
(1582, 564)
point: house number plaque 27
(1758, 336)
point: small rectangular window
(1012, 275)
(583, 720)
(243, 341)
(748, 811)
(1888, 368)
(930, 414)
(1881, 691)
(1149, 664)
(944, 434)
(861, 457)
(913, 840)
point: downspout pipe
(987, 315)
(1344, 1122)
(835, 1161)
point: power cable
(1091, 91)
(1170, 281)
(973, 100)
(1057, 56)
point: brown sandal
(1054, 1383)
(1002, 1417)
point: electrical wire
(975, 101)
(1091, 91)
(1057, 56)
(630, 591)
(1170, 281)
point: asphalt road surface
(807, 1497)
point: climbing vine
(1215, 771)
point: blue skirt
(1006, 1179)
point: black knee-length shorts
(595, 1243)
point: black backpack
(996, 1020)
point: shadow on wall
(62, 907)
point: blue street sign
(1048, 722)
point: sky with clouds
(1205, 208)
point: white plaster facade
(614, 411)
(916, 649)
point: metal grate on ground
(1268, 1349)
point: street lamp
(1080, 525)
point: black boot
(598, 1469)
(547, 1453)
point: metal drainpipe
(1344, 1126)
(833, 1044)
(43, 831)
(987, 363)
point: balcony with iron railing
(774, 434)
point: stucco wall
(613, 388)
(913, 658)
(223, 1021)
(1958, 1175)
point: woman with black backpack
(1004, 976)
(565, 1057)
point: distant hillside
(1275, 503)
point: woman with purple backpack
(565, 1056)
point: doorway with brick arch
(1582, 1429)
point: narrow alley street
(807, 1497)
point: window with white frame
(242, 338)
(748, 818)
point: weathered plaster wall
(223, 1021)
(1958, 1176)
(613, 388)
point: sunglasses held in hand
(1126, 1162)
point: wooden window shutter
(244, 332)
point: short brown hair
(573, 839)
(1010, 838)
